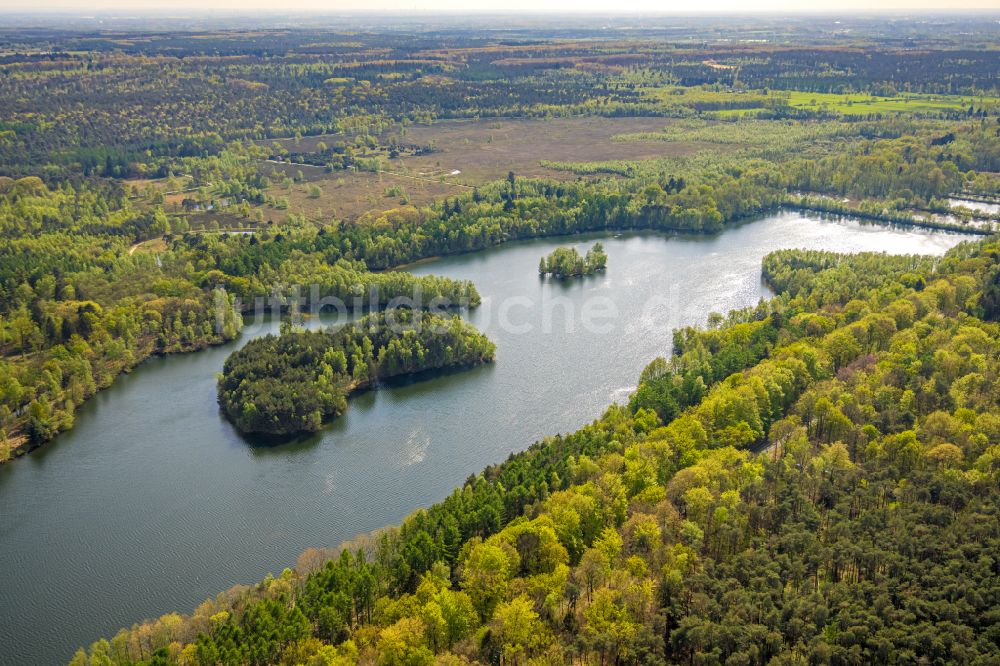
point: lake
(982, 206)
(153, 502)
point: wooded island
(564, 262)
(294, 382)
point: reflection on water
(983, 206)
(154, 502)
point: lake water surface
(152, 502)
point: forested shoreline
(112, 252)
(311, 266)
(814, 480)
(654, 535)
(294, 382)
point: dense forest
(280, 385)
(566, 262)
(813, 481)
(103, 104)
(69, 250)
(79, 307)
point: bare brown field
(466, 153)
(485, 150)
(348, 195)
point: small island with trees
(565, 262)
(293, 383)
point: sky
(465, 6)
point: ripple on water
(153, 502)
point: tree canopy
(814, 480)
(294, 382)
(564, 262)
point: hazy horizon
(556, 7)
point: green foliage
(814, 480)
(831, 491)
(78, 306)
(294, 382)
(907, 167)
(564, 262)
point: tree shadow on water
(404, 387)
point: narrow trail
(426, 179)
